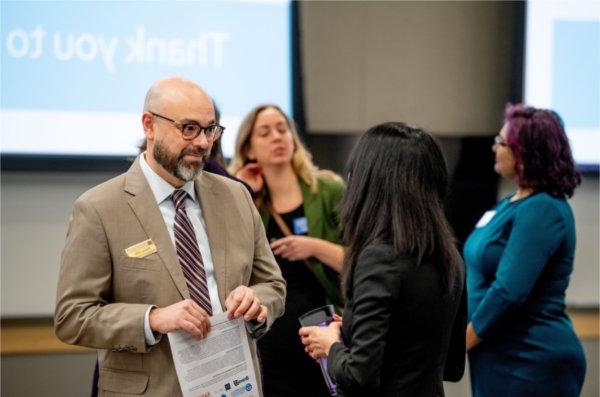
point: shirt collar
(161, 188)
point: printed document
(218, 365)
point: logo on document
(240, 381)
(248, 387)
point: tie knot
(178, 196)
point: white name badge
(485, 219)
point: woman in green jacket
(299, 207)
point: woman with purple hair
(519, 259)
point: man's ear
(148, 124)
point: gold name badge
(141, 250)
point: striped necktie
(188, 253)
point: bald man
(161, 248)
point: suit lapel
(143, 204)
(216, 218)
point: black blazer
(403, 333)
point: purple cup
(321, 317)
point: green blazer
(322, 213)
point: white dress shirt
(162, 191)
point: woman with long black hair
(404, 322)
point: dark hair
(397, 181)
(540, 147)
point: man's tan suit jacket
(103, 293)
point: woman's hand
(251, 173)
(294, 248)
(318, 340)
(472, 338)
(297, 248)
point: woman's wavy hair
(540, 147)
(301, 159)
(397, 182)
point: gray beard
(175, 166)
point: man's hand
(186, 315)
(242, 301)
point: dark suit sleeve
(455, 360)
(376, 282)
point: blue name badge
(300, 225)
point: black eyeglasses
(498, 140)
(190, 131)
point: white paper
(218, 365)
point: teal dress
(519, 259)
